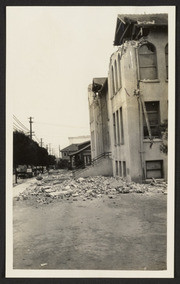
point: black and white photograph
(90, 99)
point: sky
(53, 53)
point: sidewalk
(21, 187)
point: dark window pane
(116, 167)
(153, 118)
(154, 169)
(153, 165)
(152, 109)
(152, 106)
(147, 49)
(124, 169)
(120, 169)
(147, 62)
(155, 132)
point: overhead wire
(19, 128)
(20, 123)
(61, 125)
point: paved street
(126, 232)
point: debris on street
(63, 186)
(43, 264)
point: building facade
(65, 152)
(137, 98)
(82, 157)
(99, 117)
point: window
(65, 154)
(152, 109)
(118, 132)
(119, 71)
(116, 167)
(115, 77)
(120, 169)
(166, 60)
(114, 127)
(121, 126)
(124, 169)
(147, 62)
(112, 81)
(154, 169)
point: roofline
(127, 24)
(64, 149)
(79, 151)
(77, 144)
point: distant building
(79, 139)
(68, 150)
(127, 110)
(82, 157)
(78, 155)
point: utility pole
(31, 122)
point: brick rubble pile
(63, 186)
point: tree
(51, 160)
(28, 152)
(24, 150)
(63, 164)
(42, 156)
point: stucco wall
(102, 167)
(134, 151)
(99, 123)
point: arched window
(115, 77)
(119, 71)
(147, 62)
(112, 81)
(166, 60)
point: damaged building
(127, 108)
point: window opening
(124, 169)
(121, 126)
(116, 167)
(154, 169)
(147, 62)
(119, 73)
(120, 169)
(118, 132)
(115, 77)
(114, 127)
(112, 80)
(152, 109)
